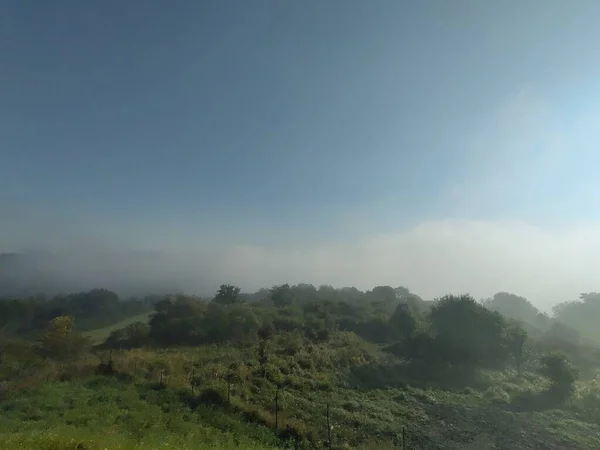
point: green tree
(582, 315)
(403, 322)
(227, 294)
(516, 338)
(518, 308)
(60, 341)
(468, 333)
(281, 295)
(561, 374)
(177, 320)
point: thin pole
(276, 408)
(328, 429)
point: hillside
(132, 410)
(100, 335)
(295, 370)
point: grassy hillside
(105, 413)
(295, 370)
(369, 405)
(99, 335)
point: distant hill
(127, 273)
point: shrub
(497, 395)
(211, 396)
(562, 376)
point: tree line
(449, 337)
(91, 309)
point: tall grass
(131, 410)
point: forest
(298, 367)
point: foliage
(403, 322)
(91, 309)
(379, 360)
(581, 315)
(516, 337)
(467, 333)
(227, 294)
(60, 341)
(518, 308)
(562, 376)
(134, 335)
(100, 335)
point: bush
(496, 395)
(562, 376)
(213, 397)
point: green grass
(99, 335)
(101, 413)
(370, 403)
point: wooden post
(328, 429)
(276, 408)
(403, 438)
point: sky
(444, 146)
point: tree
(137, 334)
(281, 295)
(516, 338)
(134, 335)
(240, 323)
(403, 322)
(227, 294)
(469, 334)
(515, 307)
(561, 374)
(581, 315)
(383, 298)
(177, 320)
(60, 341)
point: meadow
(280, 387)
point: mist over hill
(128, 273)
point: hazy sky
(446, 146)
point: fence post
(276, 408)
(328, 429)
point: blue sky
(272, 125)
